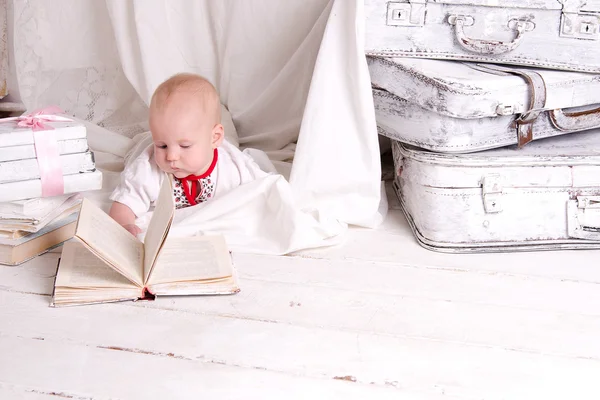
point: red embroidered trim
(189, 184)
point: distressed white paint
(462, 90)
(455, 107)
(409, 123)
(77, 182)
(27, 151)
(23, 170)
(10, 135)
(450, 209)
(415, 324)
(492, 21)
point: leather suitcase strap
(537, 99)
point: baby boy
(188, 142)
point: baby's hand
(133, 229)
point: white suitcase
(542, 197)
(555, 34)
(450, 106)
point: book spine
(27, 151)
(52, 226)
(22, 170)
(20, 207)
(21, 190)
(22, 136)
(46, 205)
(31, 206)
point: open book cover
(105, 263)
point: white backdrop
(292, 74)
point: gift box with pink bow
(43, 154)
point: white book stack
(45, 162)
(19, 168)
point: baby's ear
(218, 134)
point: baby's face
(184, 141)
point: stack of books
(33, 221)
(31, 227)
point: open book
(104, 262)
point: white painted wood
(499, 200)
(78, 182)
(28, 151)
(379, 308)
(16, 392)
(98, 373)
(23, 170)
(250, 345)
(462, 284)
(563, 265)
(399, 313)
(490, 34)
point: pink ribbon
(46, 147)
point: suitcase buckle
(580, 26)
(583, 218)
(406, 14)
(492, 193)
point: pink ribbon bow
(46, 148)
(36, 119)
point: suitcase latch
(580, 25)
(584, 217)
(406, 14)
(492, 193)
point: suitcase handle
(484, 46)
(575, 121)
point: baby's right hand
(133, 229)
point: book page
(159, 225)
(192, 259)
(80, 268)
(110, 241)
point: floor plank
(10, 392)
(372, 359)
(100, 373)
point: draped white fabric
(291, 73)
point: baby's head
(185, 121)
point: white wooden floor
(378, 318)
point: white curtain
(291, 73)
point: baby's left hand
(133, 229)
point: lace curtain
(65, 54)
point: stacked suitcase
(493, 108)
